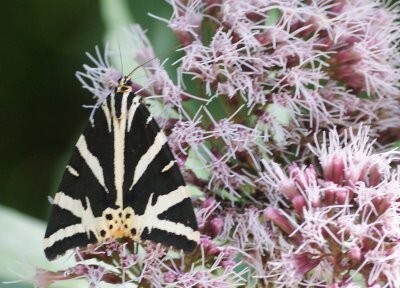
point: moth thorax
(124, 89)
(118, 223)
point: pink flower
(257, 80)
(100, 79)
(345, 224)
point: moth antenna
(120, 56)
(141, 65)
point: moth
(121, 181)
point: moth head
(124, 85)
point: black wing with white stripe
(121, 181)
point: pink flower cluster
(340, 221)
(258, 80)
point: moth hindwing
(121, 181)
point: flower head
(256, 82)
(339, 214)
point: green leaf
(157, 108)
(280, 113)
(21, 250)
(273, 17)
(194, 191)
(195, 164)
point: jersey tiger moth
(121, 181)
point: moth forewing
(121, 181)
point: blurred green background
(41, 116)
